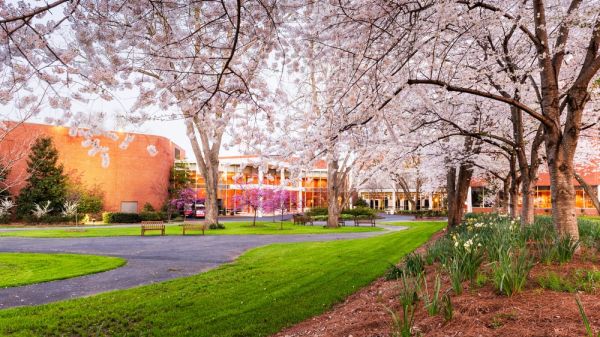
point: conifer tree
(46, 181)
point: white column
(282, 177)
(300, 201)
(430, 200)
(393, 201)
(469, 201)
(225, 169)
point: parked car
(200, 211)
(194, 210)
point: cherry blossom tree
(257, 199)
(281, 200)
(563, 40)
(197, 61)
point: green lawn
(263, 291)
(17, 269)
(231, 228)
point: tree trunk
(211, 179)
(563, 199)
(458, 187)
(417, 201)
(527, 169)
(527, 195)
(560, 166)
(513, 199)
(504, 200)
(207, 158)
(333, 190)
(514, 188)
(589, 191)
(560, 150)
(451, 191)
(406, 191)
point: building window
(129, 206)
(481, 197)
(588, 201)
(579, 197)
(543, 198)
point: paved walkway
(149, 259)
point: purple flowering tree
(255, 198)
(281, 201)
(186, 196)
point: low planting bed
(487, 278)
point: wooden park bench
(153, 226)
(369, 220)
(341, 222)
(300, 219)
(194, 227)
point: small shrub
(216, 226)
(414, 264)
(90, 203)
(393, 272)
(118, 217)
(511, 271)
(580, 280)
(553, 281)
(148, 207)
(481, 279)
(360, 202)
(587, 280)
(565, 248)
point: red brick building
(133, 177)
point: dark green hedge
(117, 217)
(424, 213)
(321, 212)
(316, 211)
(360, 212)
(49, 219)
(152, 216)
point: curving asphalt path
(149, 259)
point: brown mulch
(477, 312)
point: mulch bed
(477, 312)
